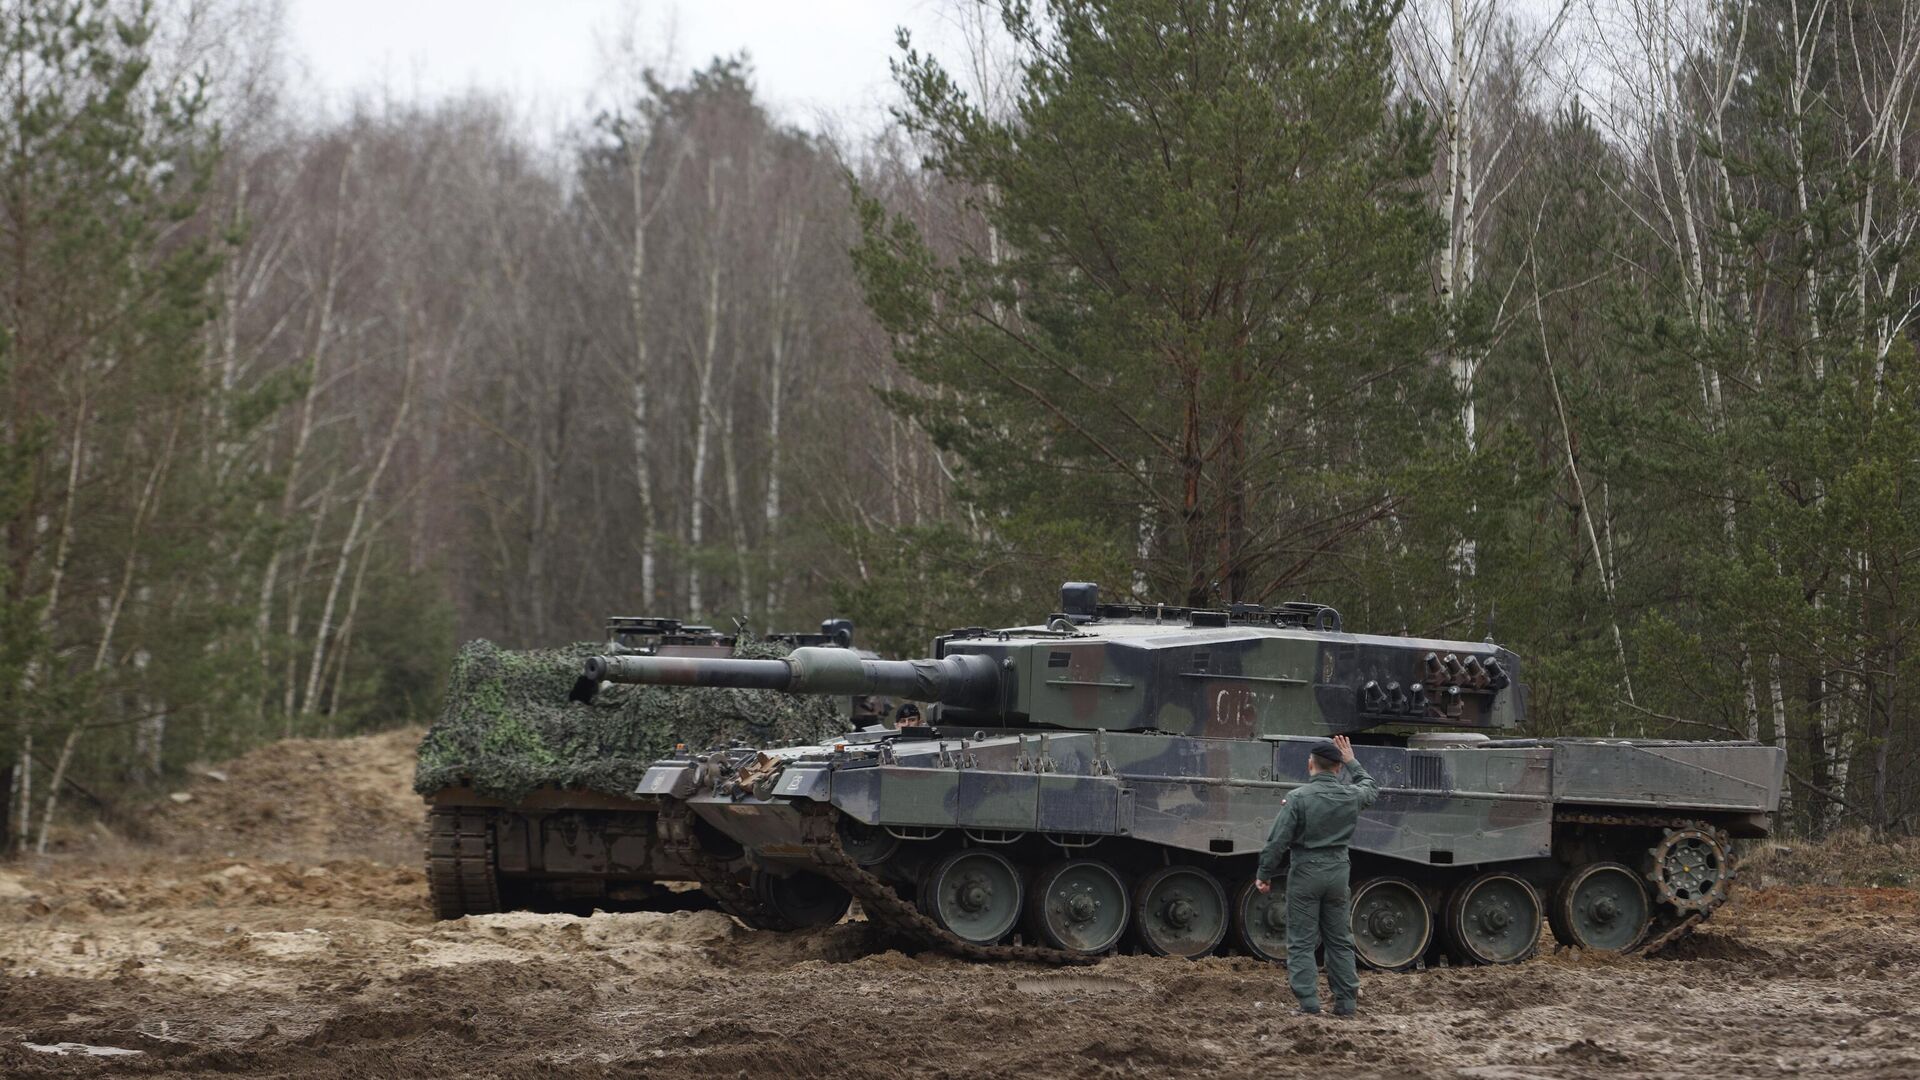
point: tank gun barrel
(965, 680)
(690, 671)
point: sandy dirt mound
(302, 798)
(1848, 857)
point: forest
(1586, 325)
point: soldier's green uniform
(1313, 831)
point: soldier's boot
(1344, 1008)
(1308, 1010)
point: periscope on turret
(1107, 777)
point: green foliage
(920, 581)
(508, 727)
(137, 477)
(1196, 334)
(114, 509)
(397, 655)
(1713, 455)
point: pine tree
(103, 394)
(1187, 329)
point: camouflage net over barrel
(508, 727)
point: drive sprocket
(1690, 868)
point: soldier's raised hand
(1345, 746)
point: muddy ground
(259, 940)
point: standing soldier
(1313, 830)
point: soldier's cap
(1328, 753)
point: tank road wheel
(1180, 911)
(868, 845)
(1260, 921)
(974, 894)
(800, 899)
(1392, 925)
(1080, 906)
(1493, 919)
(1600, 906)
(1690, 869)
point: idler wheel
(800, 898)
(1180, 911)
(1392, 925)
(1601, 906)
(1080, 906)
(1260, 921)
(1493, 919)
(974, 894)
(1690, 869)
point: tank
(1107, 778)
(531, 802)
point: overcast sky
(814, 58)
(818, 63)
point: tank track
(885, 908)
(899, 916)
(461, 877)
(716, 877)
(1667, 925)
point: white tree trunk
(23, 807)
(1602, 564)
(343, 648)
(643, 495)
(303, 433)
(141, 513)
(1778, 700)
(321, 633)
(63, 542)
(787, 253)
(1805, 40)
(307, 560)
(637, 146)
(704, 362)
(1457, 262)
(730, 463)
(1750, 699)
(30, 675)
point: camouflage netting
(508, 727)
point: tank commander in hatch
(1313, 830)
(909, 717)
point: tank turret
(1246, 671)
